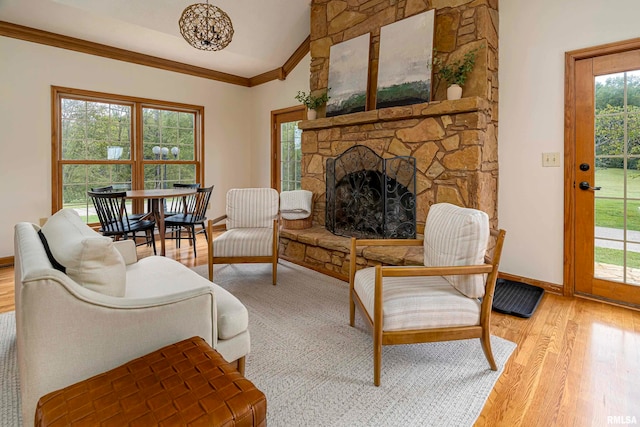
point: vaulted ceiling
(267, 32)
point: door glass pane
(290, 156)
(617, 172)
(610, 133)
(610, 178)
(633, 132)
(633, 90)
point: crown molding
(34, 35)
(281, 73)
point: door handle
(584, 185)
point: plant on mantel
(312, 102)
(455, 73)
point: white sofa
(70, 326)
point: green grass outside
(616, 257)
(612, 182)
(610, 212)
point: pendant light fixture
(206, 27)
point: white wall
(265, 98)
(533, 39)
(534, 35)
(27, 73)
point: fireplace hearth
(369, 196)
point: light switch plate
(550, 159)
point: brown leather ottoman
(187, 383)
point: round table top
(160, 193)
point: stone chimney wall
(455, 142)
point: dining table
(156, 197)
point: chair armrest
(393, 271)
(127, 249)
(220, 227)
(353, 253)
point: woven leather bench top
(187, 383)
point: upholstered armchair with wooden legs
(449, 298)
(251, 234)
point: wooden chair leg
(352, 310)
(241, 364)
(377, 359)
(210, 247)
(274, 251)
(485, 339)
(274, 267)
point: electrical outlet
(550, 159)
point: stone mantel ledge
(427, 109)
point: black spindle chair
(194, 213)
(114, 220)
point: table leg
(158, 213)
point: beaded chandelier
(206, 27)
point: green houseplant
(456, 73)
(312, 102)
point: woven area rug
(316, 370)
(10, 415)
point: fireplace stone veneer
(452, 141)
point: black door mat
(515, 298)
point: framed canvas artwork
(404, 66)
(348, 72)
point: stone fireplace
(369, 196)
(454, 143)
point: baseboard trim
(549, 287)
(6, 261)
(607, 301)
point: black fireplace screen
(371, 197)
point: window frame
(137, 160)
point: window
(128, 143)
(286, 168)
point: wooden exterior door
(605, 177)
(286, 148)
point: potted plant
(312, 102)
(456, 73)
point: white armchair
(449, 298)
(68, 329)
(251, 229)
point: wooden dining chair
(111, 209)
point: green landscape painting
(404, 70)
(348, 72)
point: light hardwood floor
(577, 361)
